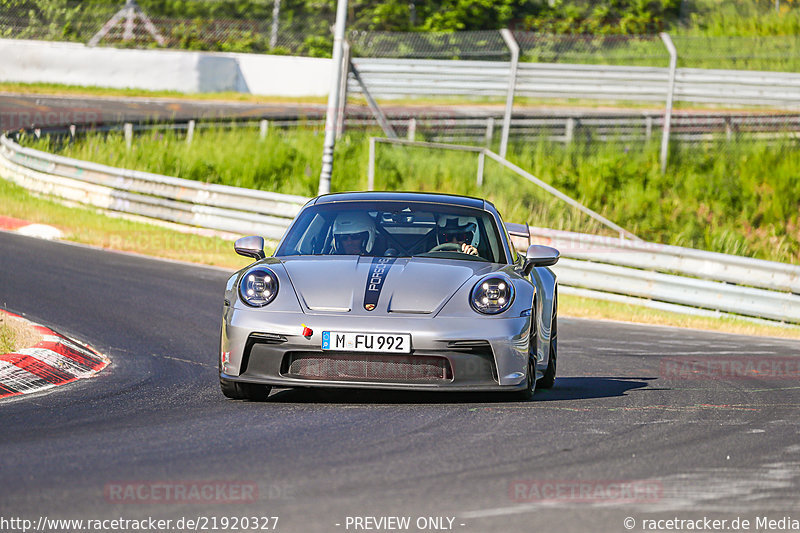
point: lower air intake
(369, 367)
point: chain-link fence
(485, 45)
(290, 27)
(632, 50)
(568, 71)
(265, 26)
(774, 53)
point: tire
(549, 378)
(527, 393)
(236, 390)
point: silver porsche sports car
(387, 290)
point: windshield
(395, 229)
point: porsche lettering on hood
(391, 285)
(377, 276)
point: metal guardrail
(404, 78)
(565, 127)
(596, 127)
(189, 202)
(599, 267)
(610, 267)
(713, 295)
(714, 266)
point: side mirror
(250, 247)
(539, 256)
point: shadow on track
(585, 388)
(577, 388)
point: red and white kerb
(55, 360)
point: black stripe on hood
(375, 280)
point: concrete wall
(184, 71)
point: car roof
(386, 196)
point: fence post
(481, 161)
(489, 131)
(371, 165)
(333, 99)
(411, 134)
(276, 12)
(648, 127)
(340, 113)
(263, 127)
(377, 112)
(512, 83)
(569, 130)
(728, 128)
(129, 12)
(72, 130)
(673, 65)
(190, 132)
(128, 129)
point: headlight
(258, 286)
(492, 295)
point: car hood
(353, 284)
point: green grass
(740, 198)
(65, 89)
(7, 338)
(87, 226)
(724, 18)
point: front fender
(546, 283)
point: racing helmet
(464, 228)
(354, 223)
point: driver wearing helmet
(353, 234)
(459, 231)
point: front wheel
(236, 390)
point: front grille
(368, 367)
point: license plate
(366, 342)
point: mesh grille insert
(368, 367)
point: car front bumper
(482, 354)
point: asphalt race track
(23, 111)
(19, 110)
(718, 446)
